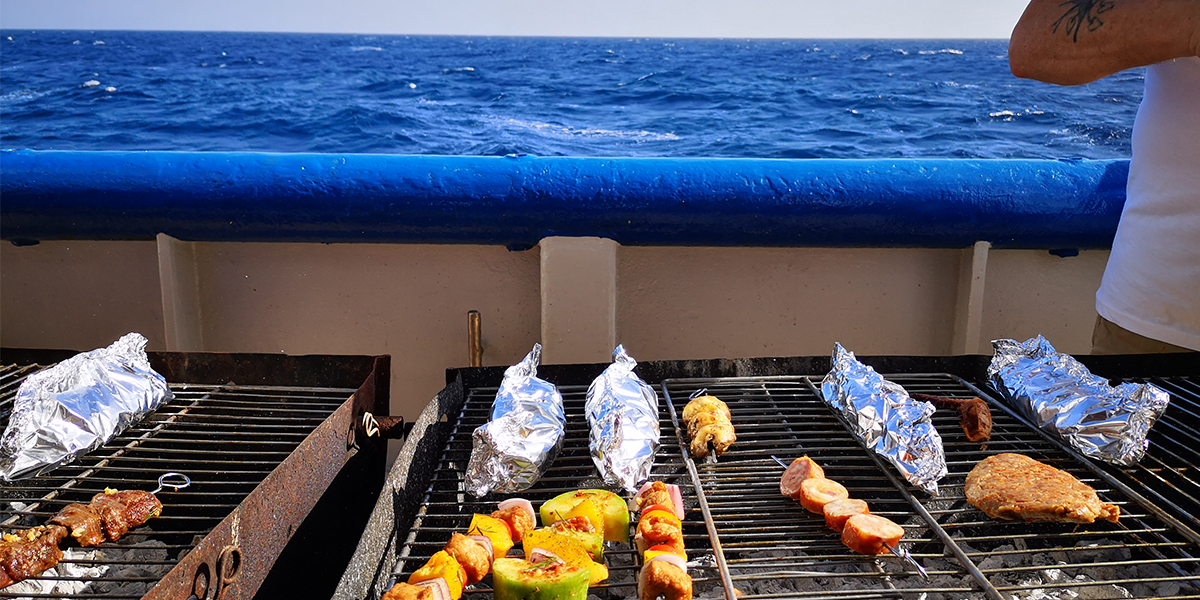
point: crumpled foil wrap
(78, 405)
(887, 420)
(622, 414)
(1057, 393)
(512, 450)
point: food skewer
(109, 515)
(861, 532)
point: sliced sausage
(869, 534)
(802, 468)
(839, 511)
(816, 492)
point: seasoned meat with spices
(27, 553)
(1016, 487)
(84, 523)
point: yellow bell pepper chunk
(496, 530)
(441, 564)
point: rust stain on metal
(231, 563)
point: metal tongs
(895, 550)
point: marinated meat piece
(802, 468)
(816, 492)
(838, 512)
(84, 523)
(1016, 487)
(657, 493)
(112, 515)
(518, 520)
(25, 554)
(661, 579)
(871, 534)
(474, 558)
(140, 506)
(973, 414)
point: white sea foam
(98, 43)
(90, 83)
(568, 132)
(459, 70)
(942, 51)
(365, 48)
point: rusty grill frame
(728, 501)
(265, 457)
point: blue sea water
(119, 90)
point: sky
(929, 19)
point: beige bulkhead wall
(411, 301)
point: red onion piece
(674, 559)
(441, 589)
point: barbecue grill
(748, 541)
(282, 474)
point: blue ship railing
(516, 201)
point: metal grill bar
(226, 438)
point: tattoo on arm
(1080, 13)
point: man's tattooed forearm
(1080, 13)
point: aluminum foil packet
(511, 451)
(78, 405)
(887, 420)
(1057, 393)
(622, 414)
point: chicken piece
(703, 404)
(705, 418)
(660, 579)
(27, 553)
(518, 520)
(474, 558)
(973, 414)
(1016, 487)
(657, 493)
(84, 523)
(838, 512)
(655, 530)
(802, 468)
(407, 591)
(721, 436)
(816, 492)
(871, 534)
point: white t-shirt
(1151, 285)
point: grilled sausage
(871, 534)
(802, 468)
(840, 511)
(816, 492)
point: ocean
(598, 97)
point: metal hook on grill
(698, 393)
(903, 554)
(163, 482)
(781, 463)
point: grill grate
(226, 438)
(1169, 472)
(744, 536)
(965, 553)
